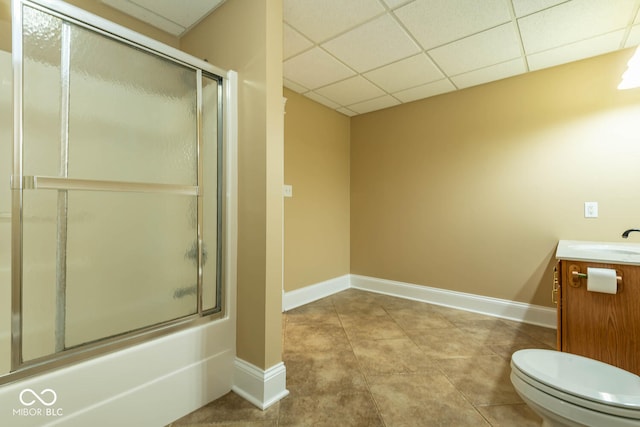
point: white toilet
(570, 390)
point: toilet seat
(581, 381)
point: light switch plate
(287, 190)
(591, 209)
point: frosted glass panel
(99, 264)
(42, 94)
(210, 194)
(127, 255)
(133, 114)
(39, 239)
(5, 211)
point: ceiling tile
(385, 101)
(168, 15)
(322, 100)
(346, 112)
(425, 91)
(573, 21)
(321, 20)
(351, 91)
(145, 15)
(392, 4)
(294, 42)
(489, 74)
(634, 37)
(436, 22)
(176, 12)
(526, 7)
(576, 51)
(409, 72)
(294, 86)
(315, 68)
(490, 47)
(373, 44)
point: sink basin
(606, 247)
(605, 252)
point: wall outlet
(591, 209)
(287, 190)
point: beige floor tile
(364, 359)
(366, 327)
(546, 336)
(323, 373)
(422, 400)
(310, 338)
(314, 313)
(454, 315)
(506, 350)
(396, 355)
(490, 331)
(484, 380)
(330, 410)
(448, 342)
(399, 303)
(510, 416)
(417, 318)
(230, 408)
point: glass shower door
(115, 188)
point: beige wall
(470, 191)
(246, 36)
(316, 232)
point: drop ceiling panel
(351, 91)
(346, 111)
(294, 86)
(150, 17)
(527, 7)
(294, 42)
(168, 15)
(573, 21)
(409, 72)
(378, 42)
(315, 68)
(385, 101)
(576, 51)
(322, 100)
(436, 22)
(634, 37)
(425, 91)
(175, 10)
(490, 47)
(372, 53)
(392, 4)
(320, 20)
(490, 73)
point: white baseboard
(512, 310)
(261, 388)
(298, 297)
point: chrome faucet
(631, 230)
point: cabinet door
(601, 326)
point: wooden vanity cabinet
(600, 326)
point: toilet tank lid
(580, 376)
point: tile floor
(363, 359)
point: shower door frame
(226, 192)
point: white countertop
(603, 252)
